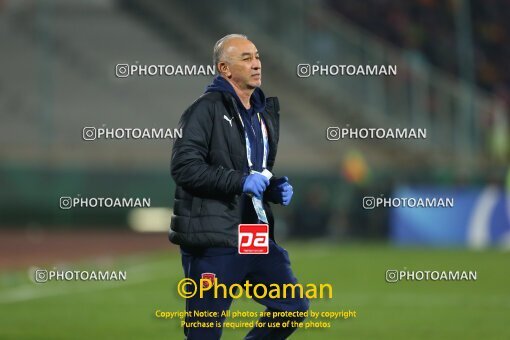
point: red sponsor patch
(253, 239)
(208, 279)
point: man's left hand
(280, 192)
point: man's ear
(224, 69)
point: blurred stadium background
(58, 76)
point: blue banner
(480, 217)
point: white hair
(218, 52)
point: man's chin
(255, 84)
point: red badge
(253, 239)
(208, 279)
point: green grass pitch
(405, 310)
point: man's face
(242, 64)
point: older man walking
(230, 139)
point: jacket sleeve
(189, 167)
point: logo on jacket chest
(228, 120)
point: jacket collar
(220, 84)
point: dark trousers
(231, 268)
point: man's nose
(256, 65)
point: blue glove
(281, 191)
(255, 184)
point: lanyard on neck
(264, 137)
